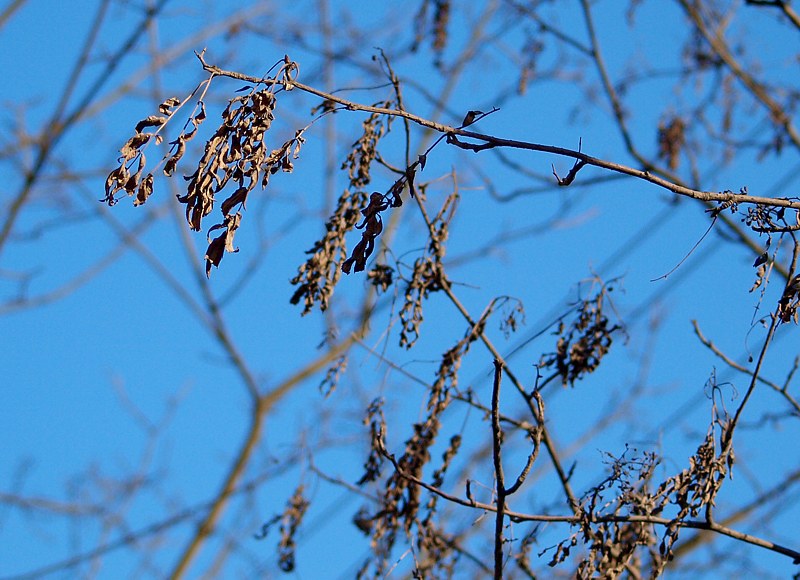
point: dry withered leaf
(372, 226)
(151, 121)
(222, 243)
(132, 146)
(671, 140)
(145, 190)
(166, 107)
(470, 117)
(237, 197)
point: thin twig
(734, 365)
(500, 483)
(492, 141)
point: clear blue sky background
(68, 435)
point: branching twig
(489, 141)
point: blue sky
(92, 377)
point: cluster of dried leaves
(614, 544)
(585, 341)
(289, 522)
(317, 276)
(427, 275)
(237, 153)
(124, 178)
(434, 25)
(671, 141)
(400, 505)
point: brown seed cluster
(125, 178)
(583, 344)
(236, 159)
(317, 276)
(401, 508)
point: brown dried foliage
(289, 520)
(614, 544)
(236, 153)
(318, 275)
(671, 140)
(365, 149)
(425, 278)
(124, 178)
(381, 276)
(437, 28)
(372, 226)
(401, 499)
(611, 543)
(583, 344)
(428, 273)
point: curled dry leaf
(470, 118)
(145, 190)
(151, 121)
(179, 144)
(166, 107)
(132, 146)
(372, 226)
(222, 243)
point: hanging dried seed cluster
(581, 347)
(400, 505)
(124, 178)
(428, 274)
(318, 275)
(237, 153)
